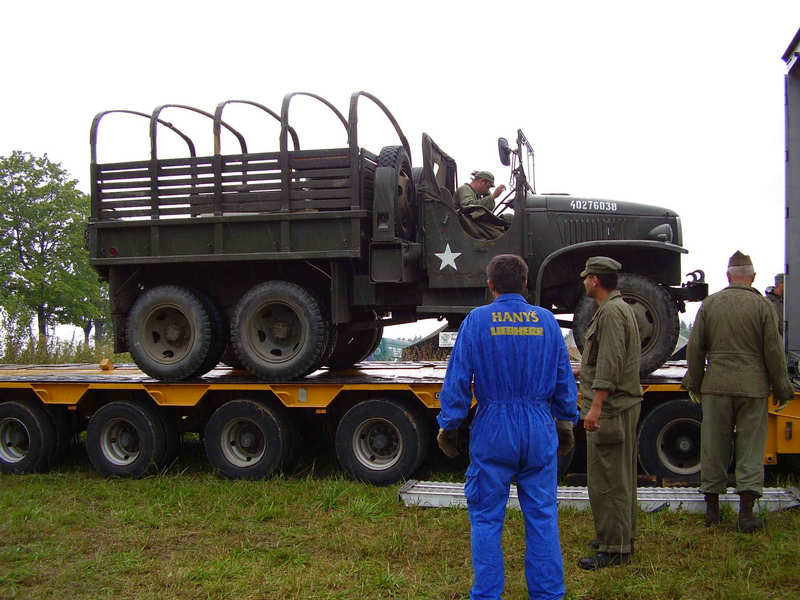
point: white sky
(678, 104)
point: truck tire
(669, 440)
(169, 333)
(381, 441)
(405, 207)
(220, 334)
(354, 346)
(656, 316)
(125, 438)
(279, 331)
(245, 439)
(27, 437)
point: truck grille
(586, 229)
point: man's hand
(448, 442)
(782, 404)
(566, 437)
(590, 423)
(695, 397)
(497, 191)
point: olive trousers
(721, 414)
(611, 453)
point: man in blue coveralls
(515, 356)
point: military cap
(739, 260)
(597, 265)
(484, 175)
(778, 278)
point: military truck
(283, 261)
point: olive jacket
(611, 356)
(736, 331)
(466, 196)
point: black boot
(603, 559)
(712, 509)
(748, 522)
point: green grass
(315, 534)
(28, 351)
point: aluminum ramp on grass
(437, 494)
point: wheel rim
(168, 335)
(649, 326)
(14, 440)
(119, 442)
(377, 444)
(275, 332)
(243, 443)
(678, 446)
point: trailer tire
(62, 427)
(169, 333)
(125, 438)
(669, 440)
(381, 441)
(27, 437)
(280, 331)
(405, 204)
(656, 316)
(246, 439)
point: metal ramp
(437, 494)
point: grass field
(315, 534)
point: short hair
(608, 281)
(508, 273)
(741, 272)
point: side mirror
(504, 150)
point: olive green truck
(287, 260)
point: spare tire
(405, 202)
(656, 316)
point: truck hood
(573, 204)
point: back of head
(508, 273)
(740, 269)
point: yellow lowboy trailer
(379, 418)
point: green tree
(44, 268)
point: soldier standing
(736, 331)
(775, 295)
(610, 406)
(476, 192)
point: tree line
(45, 276)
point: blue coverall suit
(516, 356)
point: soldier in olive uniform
(775, 295)
(476, 192)
(737, 332)
(610, 406)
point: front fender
(658, 260)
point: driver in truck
(476, 192)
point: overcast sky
(678, 104)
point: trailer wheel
(246, 439)
(169, 333)
(126, 439)
(656, 316)
(62, 427)
(354, 346)
(381, 441)
(669, 440)
(27, 437)
(279, 331)
(405, 207)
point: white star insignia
(448, 258)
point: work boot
(712, 509)
(748, 522)
(603, 559)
